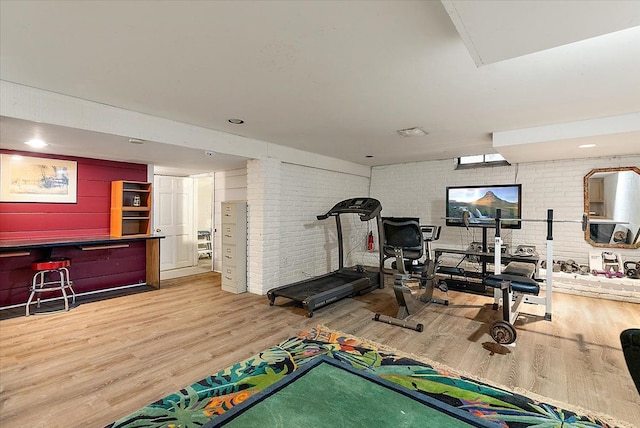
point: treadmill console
(367, 208)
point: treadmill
(319, 291)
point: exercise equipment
(405, 240)
(319, 291)
(608, 273)
(611, 261)
(514, 285)
(469, 278)
(526, 251)
(632, 269)
(523, 288)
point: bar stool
(39, 284)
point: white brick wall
(286, 241)
(622, 289)
(263, 192)
(418, 189)
(308, 247)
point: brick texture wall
(418, 189)
(286, 241)
(264, 234)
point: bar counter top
(19, 244)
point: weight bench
(515, 281)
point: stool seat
(40, 284)
(50, 264)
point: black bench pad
(519, 284)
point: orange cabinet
(130, 208)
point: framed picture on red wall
(34, 179)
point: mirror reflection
(612, 202)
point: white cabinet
(234, 246)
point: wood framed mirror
(612, 203)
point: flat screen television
(481, 202)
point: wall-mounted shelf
(130, 208)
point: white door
(173, 208)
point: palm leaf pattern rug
(202, 401)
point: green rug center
(330, 396)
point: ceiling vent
(411, 132)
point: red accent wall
(90, 270)
(88, 217)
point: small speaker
(475, 247)
(503, 249)
(526, 251)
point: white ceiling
(169, 159)
(333, 78)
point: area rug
(202, 402)
(329, 392)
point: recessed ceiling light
(236, 121)
(411, 132)
(136, 141)
(586, 146)
(36, 143)
(368, 156)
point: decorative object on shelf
(130, 208)
(32, 179)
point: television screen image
(481, 202)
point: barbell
(465, 219)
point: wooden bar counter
(97, 263)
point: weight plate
(503, 332)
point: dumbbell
(632, 272)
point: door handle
(158, 230)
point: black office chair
(404, 240)
(630, 341)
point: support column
(263, 197)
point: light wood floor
(103, 360)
